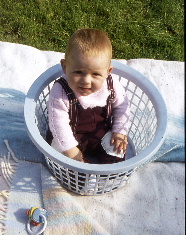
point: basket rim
(139, 79)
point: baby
(86, 102)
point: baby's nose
(86, 79)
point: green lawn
(137, 28)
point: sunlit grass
(137, 29)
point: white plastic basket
(146, 134)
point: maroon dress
(90, 125)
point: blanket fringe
(3, 209)
(9, 165)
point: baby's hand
(120, 142)
(79, 157)
(75, 154)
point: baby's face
(86, 74)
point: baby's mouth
(85, 89)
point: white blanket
(153, 201)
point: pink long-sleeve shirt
(58, 106)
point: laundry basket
(146, 133)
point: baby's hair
(89, 42)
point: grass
(137, 28)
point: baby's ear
(110, 69)
(63, 65)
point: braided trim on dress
(111, 96)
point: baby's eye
(96, 74)
(78, 72)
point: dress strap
(111, 96)
(69, 92)
(73, 104)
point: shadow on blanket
(13, 126)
